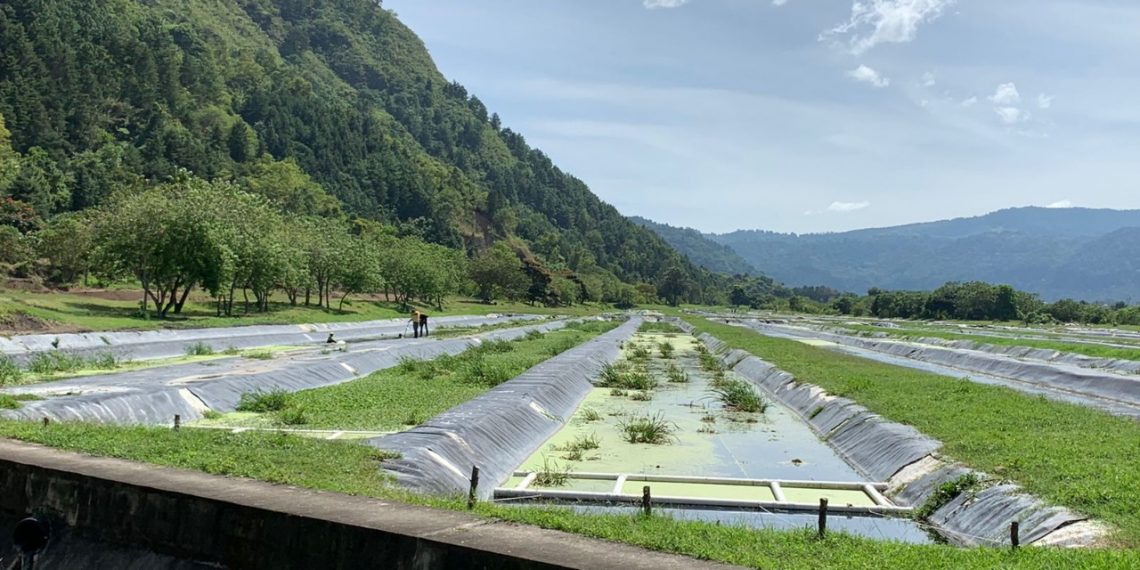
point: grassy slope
(1067, 454)
(73, 312)
(1094, 350)
(415, 391)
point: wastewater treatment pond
(669, 417)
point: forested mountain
(298, 100)
(1075, 252)
(699, 249)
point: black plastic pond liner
(881, 450)
(155, 396)
(502, 428)
(1051, 375)
(168, 343)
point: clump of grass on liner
(552, 474)
(653, 430)
(739, 396)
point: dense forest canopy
(328, 109)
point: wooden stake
(177, 421)
(822, 518)
(647, 501)
(47, 421)
(471, 494)
(1015, 534)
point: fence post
(177, 421)
(647, 501)
(471, 493)
(822, 518)
(1015, 534)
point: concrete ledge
(241, 523)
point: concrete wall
(108, 511)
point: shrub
(10, 372)
(199, 349)
(262, 402)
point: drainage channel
(763, 470)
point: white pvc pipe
(698, 502)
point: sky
(810, 115)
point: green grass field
(1094, 350)
(1067, 454)
(72, 312)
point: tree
(674, 286)
(167, 238)
(41, 183)
(9, 159)
(289, 188)
(739, 298)
(66, 243)
(498, 272)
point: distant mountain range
(1070, 252)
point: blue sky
(810, 115)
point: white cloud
(1011, 115)
(1061, 204)
(654, 4)
(973, 100)
(848, 206)
(928, 79)
(874, 22)
(1044, 101)
(1006, 95)
(867, 75)
(779, 2)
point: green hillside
(296, 100)
(699, 249)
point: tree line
(979, 301)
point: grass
(676, 375)
(199, 349)
(552, 474)
(654, 430)
(351, 468)
(625, 376)
(1094, 350)
(1066, 454)
(738, 395)
(76, 312)
(591, 415)
(945, 493)
(414, 390)
(658, 327)
(263, 402)
(666, 349)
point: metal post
(647, 501)
(822, 518)
(1015, 534)
(471, 493)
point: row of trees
(980, 301)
